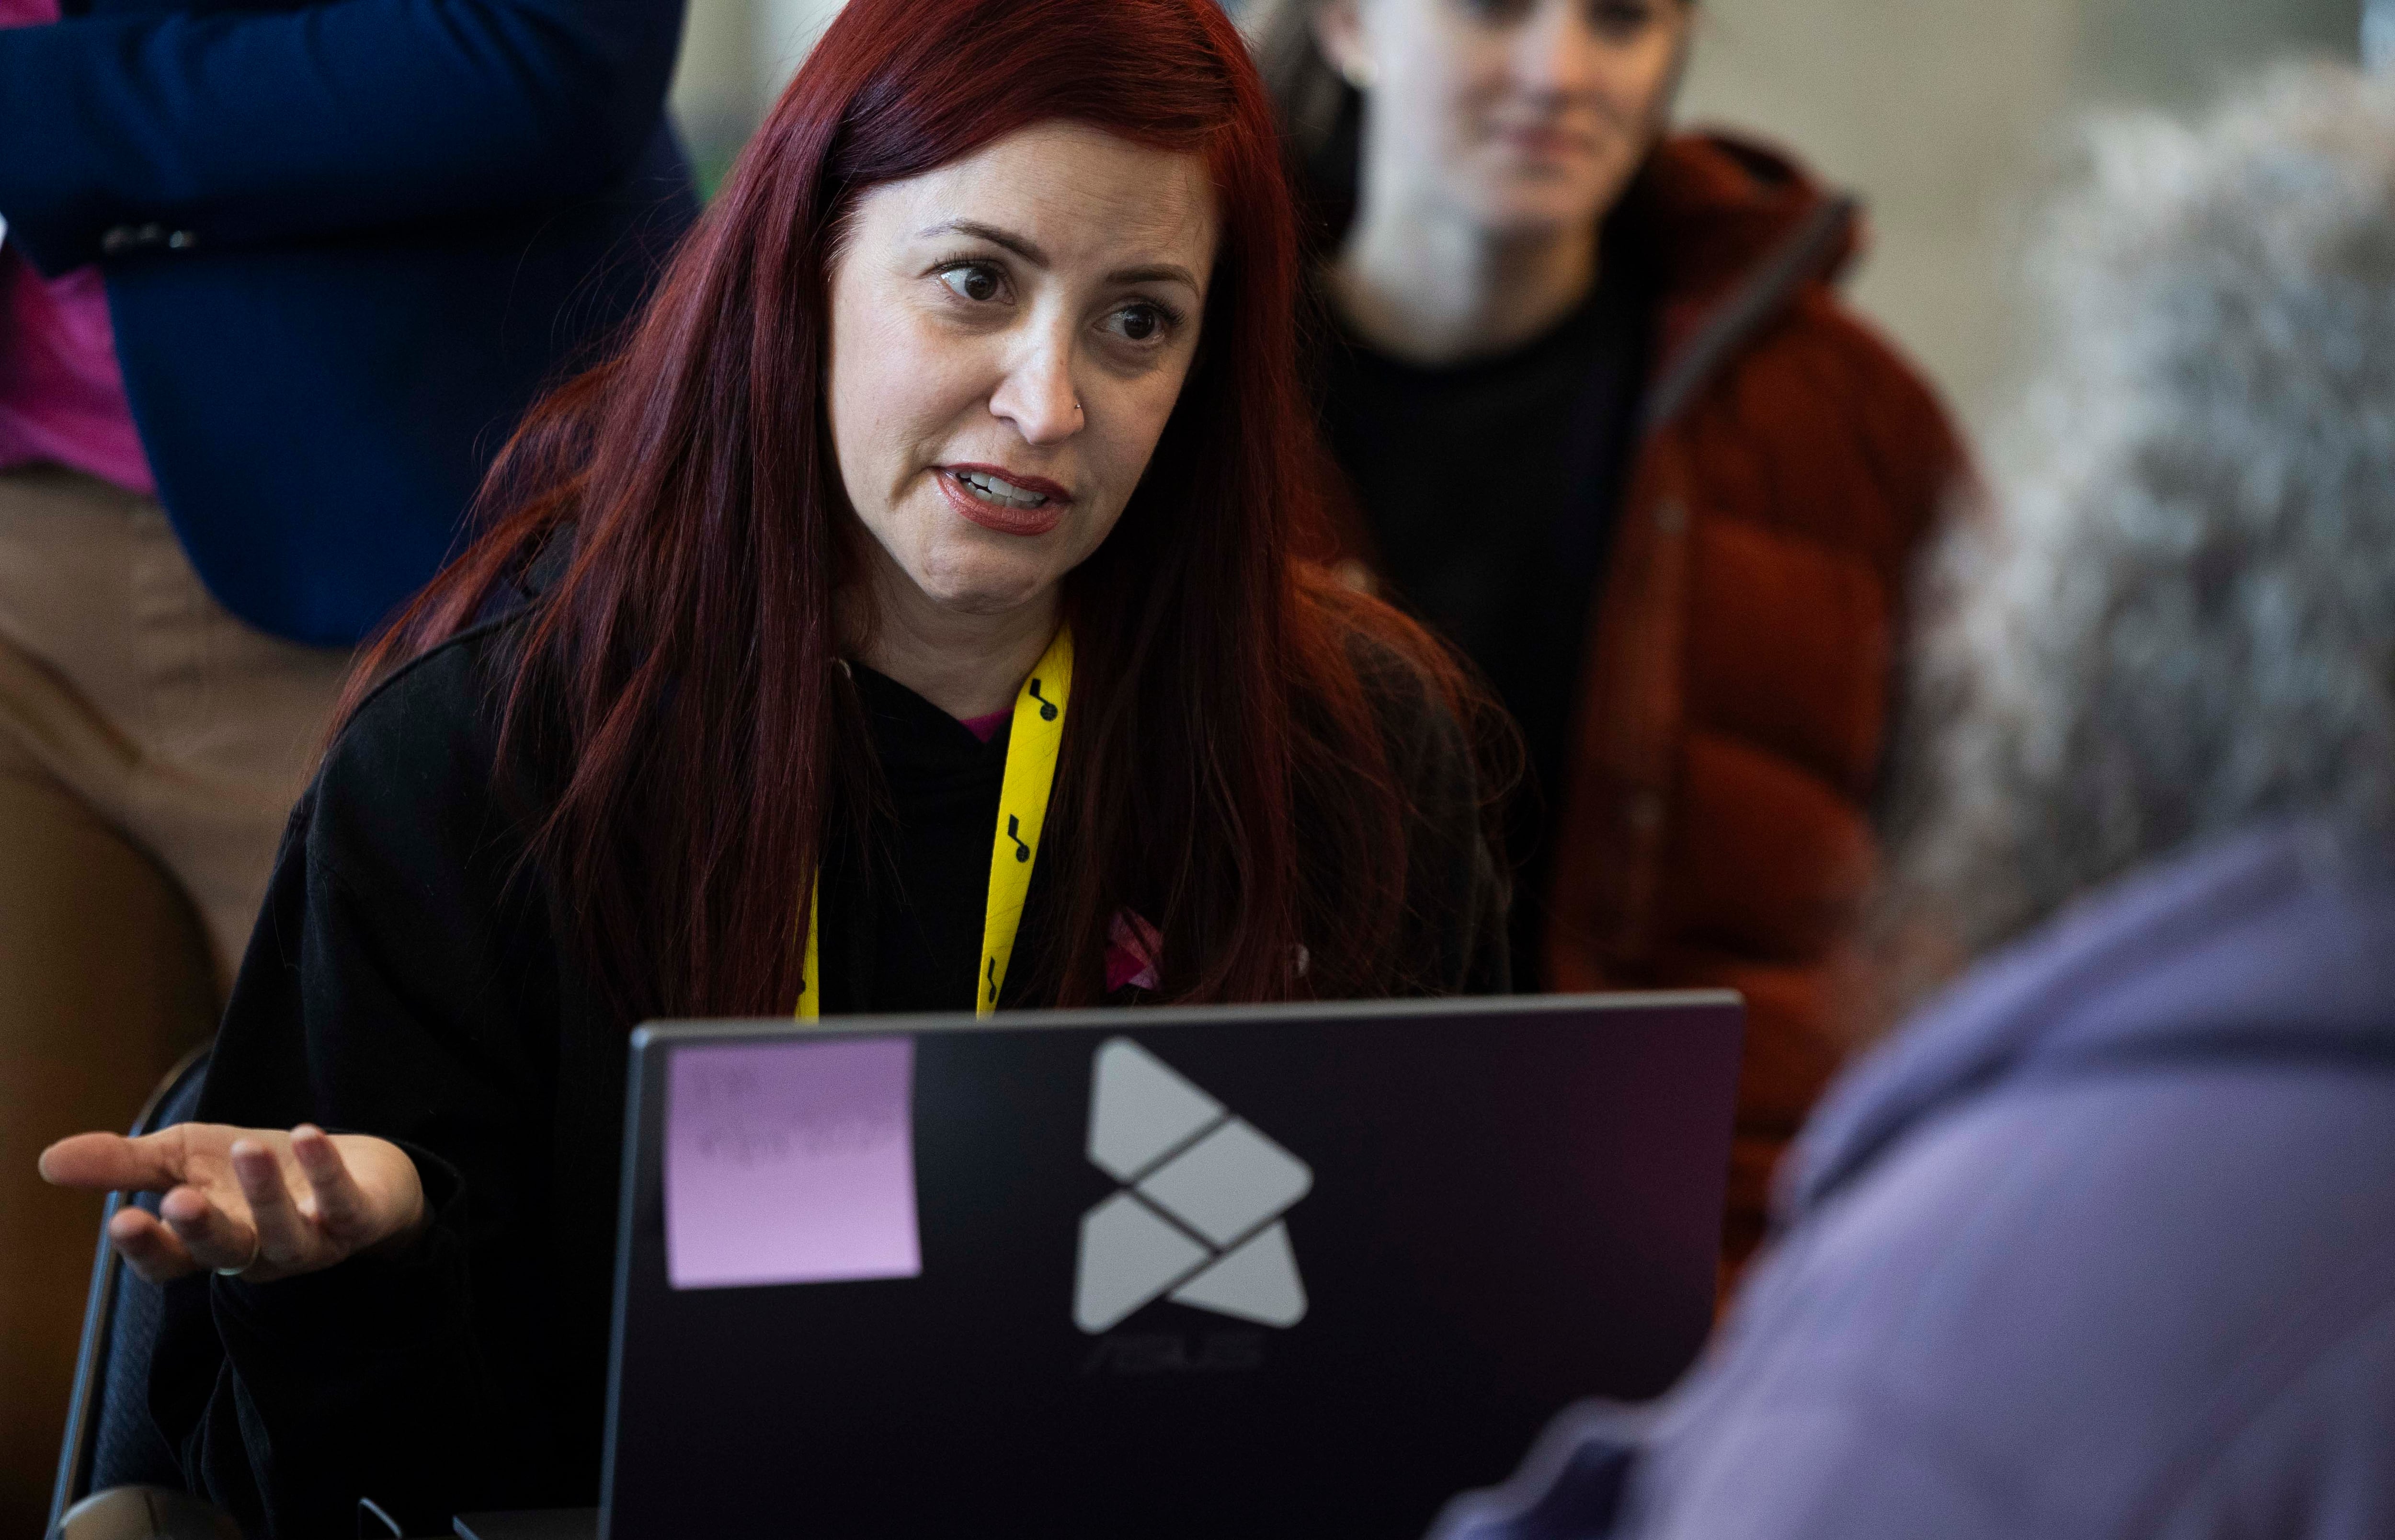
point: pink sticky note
(790, 1163)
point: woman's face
(1009, 334)
(1516, 115)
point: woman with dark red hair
(944, 499)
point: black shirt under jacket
(405, 980)
(1490, 490)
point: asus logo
(1198, 1216)
(1172, 1353)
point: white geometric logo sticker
(1198, 1216)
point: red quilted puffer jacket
(1716, 828)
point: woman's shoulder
(438, 706)
(1449, 753)
(444, 705)
(1724, 214)
(1444, 738)
(415, 772)
(1872, 376)
(1409, 674)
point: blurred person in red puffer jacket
(1606, 425)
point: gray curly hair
(2181, 619)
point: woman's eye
(1141, 323)
(1620, 18)
(978, 281)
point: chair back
(143, 1513)
(109, 1432)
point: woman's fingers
(265, 1203)
(341, 1211)
(282, 1234)
(110, 1162)
(149, 1247)
(213, 1238)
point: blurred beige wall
(737, 55)
(1947, 115)
(1937, 113)
(1950, 116)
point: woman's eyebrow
(995, 236)
(1162, 273)
(1158, 272)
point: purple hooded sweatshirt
(2101, 1245)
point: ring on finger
(257, 1248)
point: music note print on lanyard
(1033, 741)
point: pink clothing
(986, 727)
(1133, 947)
(61, 393)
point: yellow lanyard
(1032, 741)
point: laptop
(1251, 1271)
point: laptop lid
(1265, 1270)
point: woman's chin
(1527, 201)
(987, 586)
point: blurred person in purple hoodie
(2103, 1241)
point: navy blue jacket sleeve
(251, 127)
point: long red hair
(1223, 771)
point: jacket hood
(1734, 233)
(1715, 205)
(2278, 945)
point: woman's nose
(1555, 52)
(1038, 395)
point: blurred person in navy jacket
(2103, 1244)
(275, 281)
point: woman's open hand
(256, 1201)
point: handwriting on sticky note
(790, 1163)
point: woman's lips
(1547, 144)
(1005, 519)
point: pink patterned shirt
(61, 393)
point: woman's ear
(1339, 33)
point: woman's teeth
(991, 488)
